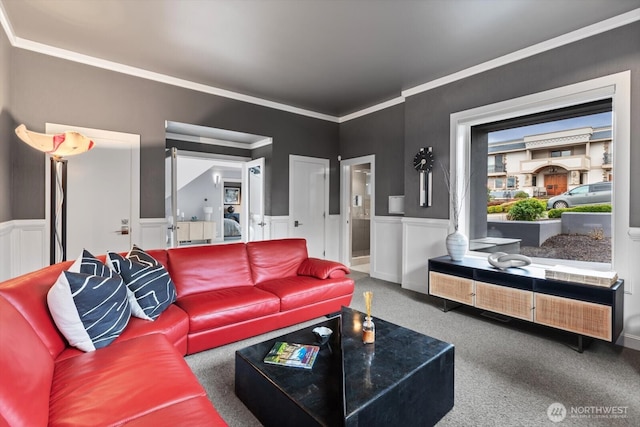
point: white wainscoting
(422, 238)
(5, 250)
(386, 248)
(631, 333)
(24, 246)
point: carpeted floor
(506, 374)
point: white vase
(457, 244)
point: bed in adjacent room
(232, 230)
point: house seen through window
(556, 169)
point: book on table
(292, 354)
(581, 275)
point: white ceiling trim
(219, 142)
(582, 33)
(372, 109)
(588, 31)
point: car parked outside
(588, 194)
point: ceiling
(328, 57)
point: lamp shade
(61, 145)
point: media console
(525, 293)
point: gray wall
(380, 133)
(427, 114)
(59, 91)
(50, 89)
(6, 129)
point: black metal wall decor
(423, 163)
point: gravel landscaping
(572, 246)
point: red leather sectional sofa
(225, 293)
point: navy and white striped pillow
(149, 282)
(88, 264)
(90, 311)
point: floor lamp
(65, 144)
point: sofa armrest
(322, 269)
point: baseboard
(629, 341)
(386, 277)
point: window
(615, 88)
(601, 187)
(495, 164)
(527, 170)
(580, 190)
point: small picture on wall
(231, 196)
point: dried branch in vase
(457, 198)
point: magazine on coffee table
(291, 354)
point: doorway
(230, 169)
(360, 217)
(357, 207)
(555, 184)
(209, 200)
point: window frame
(616, 87)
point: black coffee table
(405, 378)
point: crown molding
(45, 49)
(583, 33)
(580, 34)
(372, 109)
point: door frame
(293, 158)
(246, 177)
(345, 205)
(128, 138)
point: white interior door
(254, 179)
(309, 201)
(103, 192)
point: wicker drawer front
(508, 301)
(583, 318)
(451, 287)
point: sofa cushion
(274, 259)
(27, 371)
(151, 288)
(222, 307)
(195, 412)
(28, 294)
(299, 291)
(173, 323)
(200, 269)
(119, 383)
(90, 311)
